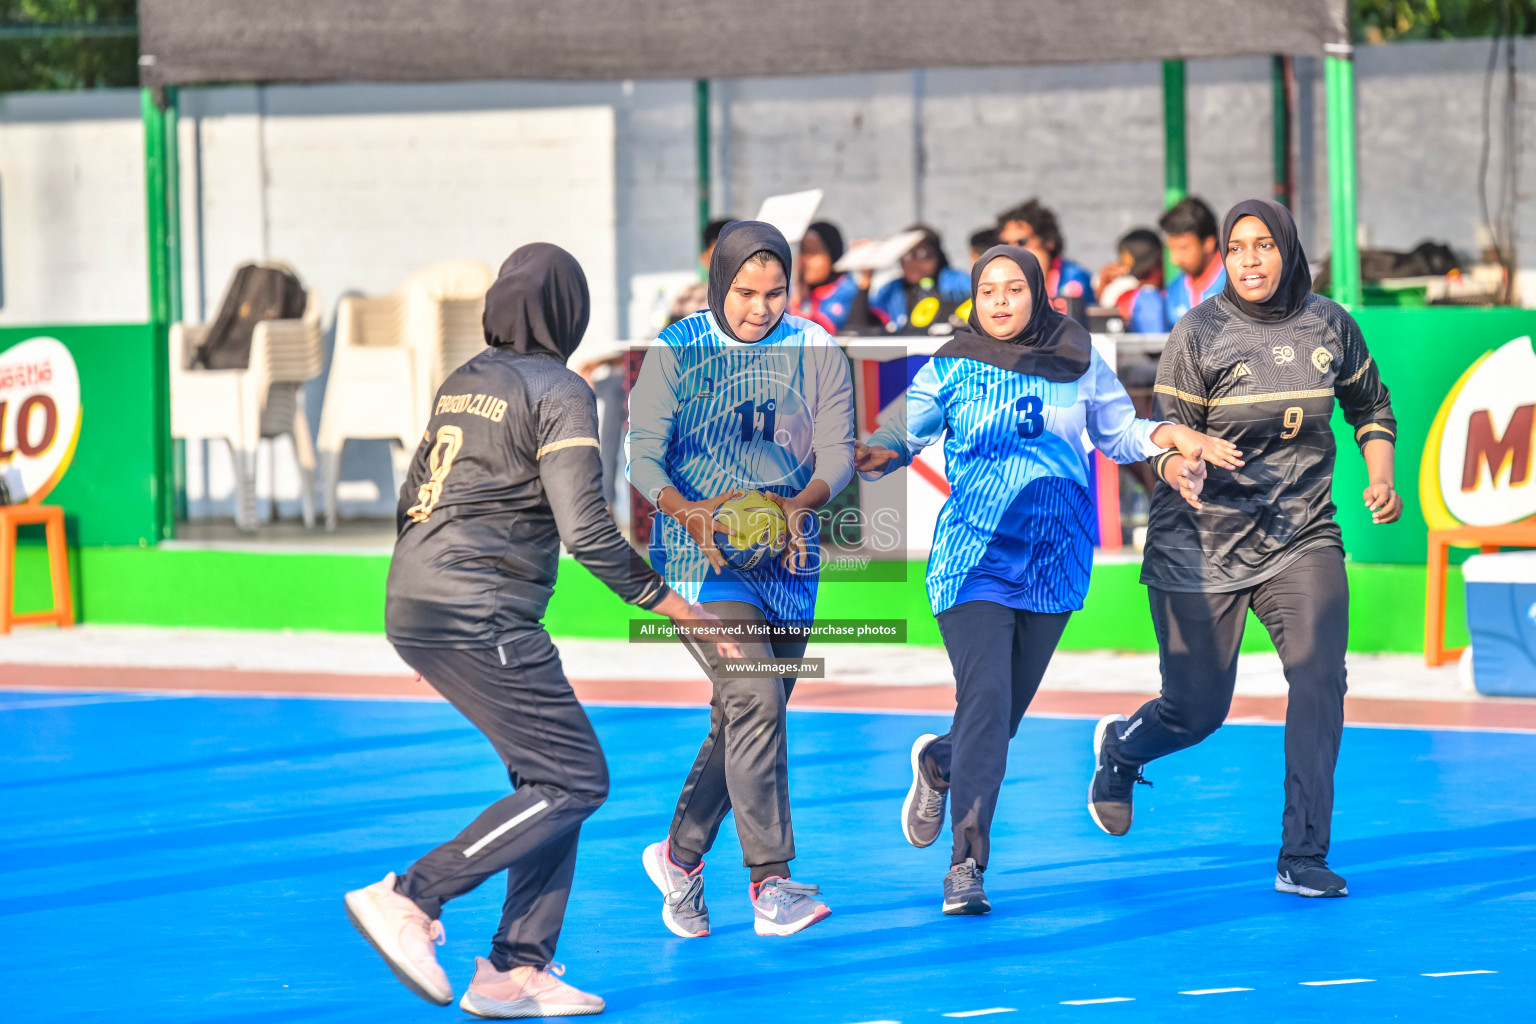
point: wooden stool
(52, 518)
(1487, 539)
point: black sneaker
(1109, 792)
(1308, 876)
(963, 894)
(922, 814)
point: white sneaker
(782, 907)
(525, 992)
(404, 936)
(682, 904)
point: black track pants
(999, 655)
(1305, 607)
(744, 761)
(518, 696)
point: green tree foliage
(1381, 21)
(68, 62)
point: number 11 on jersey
(748, 412)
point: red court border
(1490, 714)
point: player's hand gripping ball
(757, 530)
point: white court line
(982, 1013)
(1340, 981)
(1090, 1002)
(879, 1022)
(1455, 974)
(1212, 991)
(70, 702)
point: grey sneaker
(682, 903)
(963, 894)
(782, 907)
(1308, 876)
(922, 814)
(1109, 791)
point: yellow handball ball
(758, 530)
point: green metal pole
(159, 311)
(1281, 120)
(702, 141)
(1345, 260)
(173, 204)
(1175, 145)
(178, 453)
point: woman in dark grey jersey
(1260, 365)
(508, 472)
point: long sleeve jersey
(709, 414)
(1269, 388)
(1018, 526)
(509, 470)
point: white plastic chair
(391, 355)
(240, 407)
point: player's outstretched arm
(1185, 475)
(698, 518)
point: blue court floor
(178, 859)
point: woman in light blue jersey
(1020, 401)
(741, 396)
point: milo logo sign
(39, 418)
(1477, 459)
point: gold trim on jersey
(1358, 373)
(570, 442)
(1183, 396)
(1277, 396)
(1375, 426)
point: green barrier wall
(109, 498)
(241, 590)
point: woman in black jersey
(1260, 365)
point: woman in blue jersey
(741, 396)
(1019, 399)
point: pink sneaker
(404, 935)
(525, 992)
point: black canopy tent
(186, 42)
(195, 41)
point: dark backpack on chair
(255, 294)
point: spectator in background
(981, 241)
(1134, 284)
(821, 294)
(1190, 227)
(696, 296)
(1033, 226)
(925, 274)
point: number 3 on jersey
(444, 450)
(1031, 424)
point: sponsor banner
(40, 417)
(1476, 469)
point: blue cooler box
(1501, 616)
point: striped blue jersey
(1018, 526)
(709, 414)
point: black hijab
(538, 302)
(832, 239)
(1295, 275)
(1051, 345)
(739, 242)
